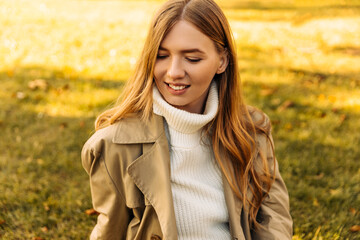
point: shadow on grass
(59, 77)
(317, 149)
(44, 189)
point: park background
(62, 62)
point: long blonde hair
(233, 132)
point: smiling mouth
(177, 87)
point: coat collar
(133, 130)
(151, 171)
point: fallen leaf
(334, 192)
(91, 212)
(20, 95)
(320, 176)
(335, 110)
(58, 91)
(267, 92)
(2, 221)
(343, 117)
(40, 161)
(46, 207)
(44, 229)
(66, 87)
(322, 114)
(352, 51)
(320, 77)
(38, 238)
(38, 84)
(285, 105)
(275, 101)
(355, 228)
(79, 202)
(82, 124)
(275, 121)
(308, 83)
(353, 211)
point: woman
(181, 156)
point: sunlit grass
(299, 62)
(51, 33)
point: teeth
(177, 87)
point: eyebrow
(191, 50)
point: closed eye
(161, 56)
(194, 60)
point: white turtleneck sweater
(196, 179)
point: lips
(177, 87)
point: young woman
(181, 156)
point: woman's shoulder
(259, 118)
(263, 137)
(109, 140)
(104, 135)
(129, 130)
(94, 147)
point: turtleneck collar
(181, 120)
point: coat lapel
(238, 213)
(151, 171)
(234, 206)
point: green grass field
(63, 62)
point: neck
(185, 121)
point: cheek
(159, 70)
(158, 82)
(156, 71)
(158, 76)
(206, 73)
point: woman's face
(186, 63)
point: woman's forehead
(185, 37)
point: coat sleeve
(113, 218)
(274, 213)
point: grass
(299, 63)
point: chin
(176, 104)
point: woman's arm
(274, 213)
(113, 216)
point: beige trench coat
(129, 168)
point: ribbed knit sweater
(196, 181)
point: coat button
(155, 237)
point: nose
(175, 69)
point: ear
(224, 61)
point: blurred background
(62, 62)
